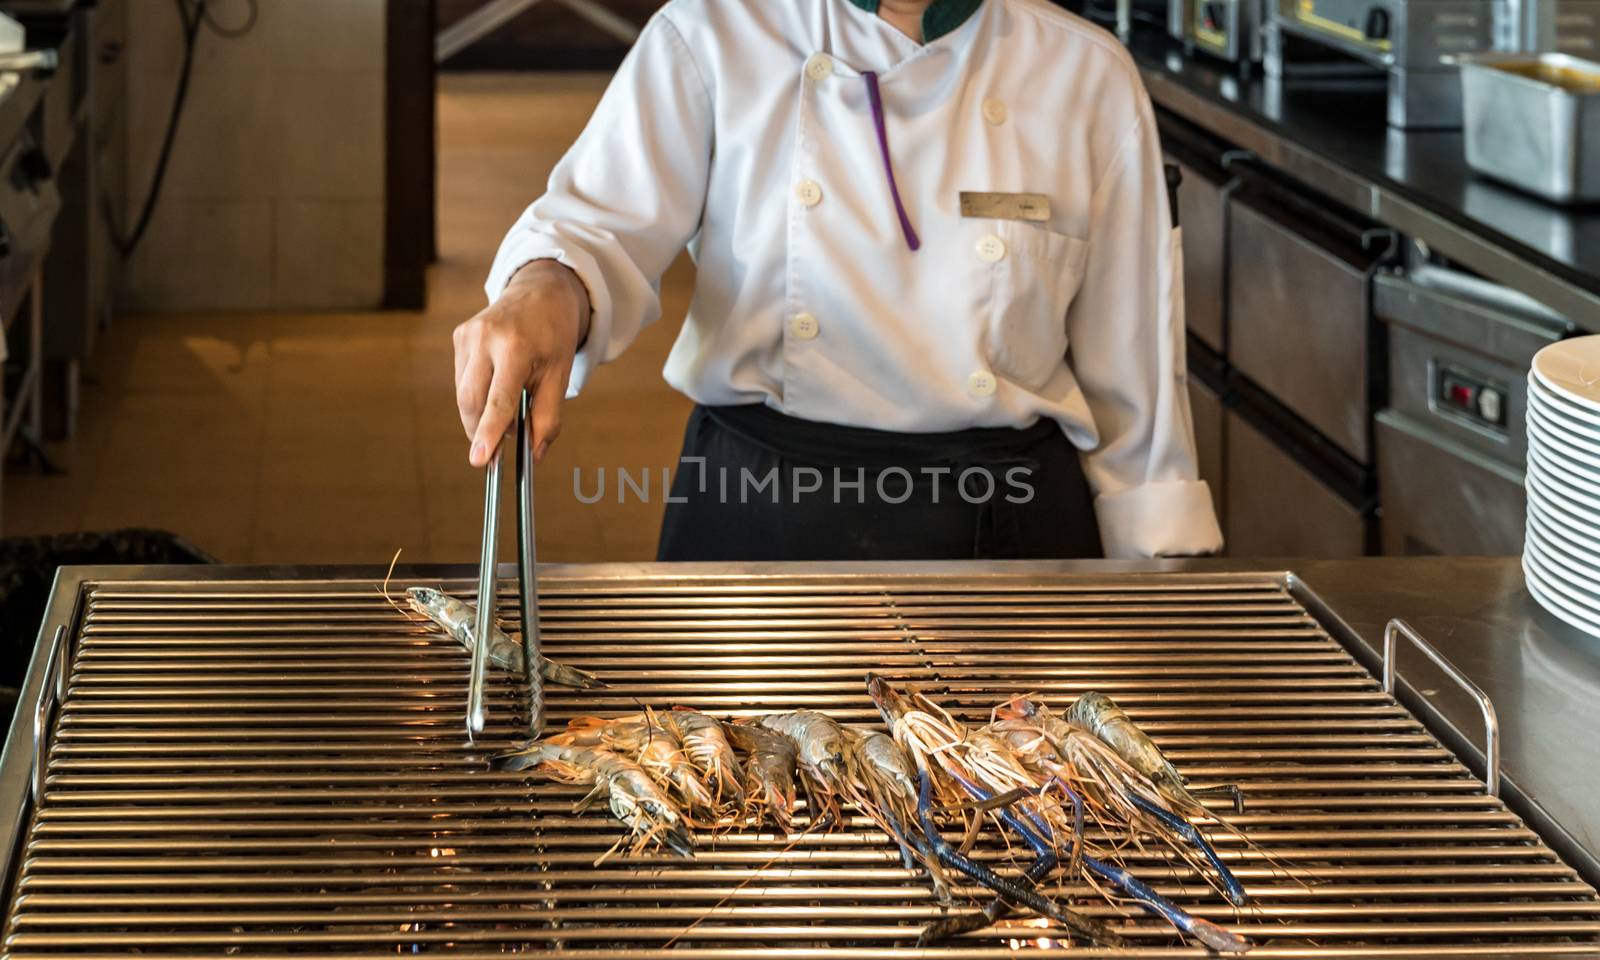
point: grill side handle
(52, 692)
(1491, 722)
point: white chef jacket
(742, 129)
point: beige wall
(274, 195)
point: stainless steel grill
(280, 768)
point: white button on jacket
(808, 192)
(722, 105)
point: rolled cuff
(1169, 519)
(516, 254)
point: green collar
(941, 17)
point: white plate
(1561, 414)
(1554, 606)
(1561, 484)
(1557, 551)
(1557, 446)
(1570, 519)
(1571, 368)
(1548, 468)
(1559, 582)
(1549, 413)
(1554, 429)
(1559, 517)
(1564, 455)
(1548, 401)
(1582, 571)
(1581, 526)
(1553, 528)
(1579, 574)
(1552, 599)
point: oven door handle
(53, 690)
(1491, 722)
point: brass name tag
(1005, 206)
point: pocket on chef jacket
(1035, 282)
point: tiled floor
(308, 438)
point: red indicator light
(1461, 395)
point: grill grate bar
(570, 917)
(531, 930)
(1428, 896)
(790, 876)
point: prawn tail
(560, 673)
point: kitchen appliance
(1228, 29)
(1290, 492)
(1299, 308)
(1406, 41)
(1414, 43)
(1451, 439)
(1548, 26)
(1534, 122)
(271, 763)
(1304, 367)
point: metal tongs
(527, 584)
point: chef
(937, 310)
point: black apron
(754, 484)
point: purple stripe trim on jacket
(888, 167)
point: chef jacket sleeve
(1125, 327)
(627, 196)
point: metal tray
(1528, 127)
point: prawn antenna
(384, 590)
(744, 883)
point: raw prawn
(1100, 715)
(654, 747)
(770, 760)
(821, 749)
(633, 797)
(885, 789)
(457, 618)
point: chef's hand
(526, 338)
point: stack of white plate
(1561, 557)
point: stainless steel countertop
(1543, 676)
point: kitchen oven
(1451, 441)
